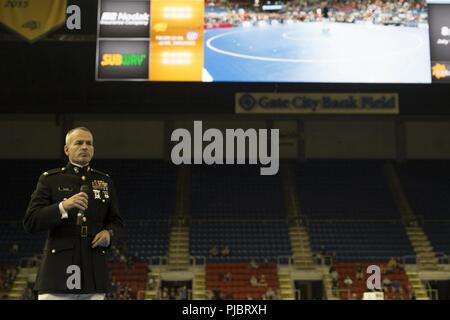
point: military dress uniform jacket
(69, 242)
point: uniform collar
(77, 169)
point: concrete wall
(40, 137)
(426, 140)
(349, 139)
(127, 139)
(36, 137)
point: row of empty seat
(239, 285)
(344, 190)
(361, 241)
(329, 192)
(245, 239)
(235, 192)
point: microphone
(84, 188)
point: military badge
(99, 185)
(96, 194)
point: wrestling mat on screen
(229, 41)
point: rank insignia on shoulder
(99, 172)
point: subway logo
(117, 59)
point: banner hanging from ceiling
(32, 19)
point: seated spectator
(28, 294)
(217, 294)
(214, 251)
(262, 281)
(227, 277)
(270, 294)
(383, 270)
(172, 294)
(359, 274)
(229, 295)
(391, 265)
(254, 281)
(165, 293)
(386, 283)
(14, 248)
(151, 284)
(130, 262)
(113, 286)
(330, 258)
(335, 277)
(226, 251)
(396, 287)
(319, 258)
(412, 294)
(348, 281)
(253, 264)
(278, 295)
(400, 267)
(183, 293)
(332, 269)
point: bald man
(77, 206)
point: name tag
(65, 189)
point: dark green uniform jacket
(68, 243)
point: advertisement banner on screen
(316, 103)
(439, 28)
(124, 19)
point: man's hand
(101, 239)
(79, 201)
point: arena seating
(350, 210)
(361, 240)
(236, 192)
(344, 190)
(134, 277)
(28, 245)
(239, 284)
(21, 177)
(246, 239)
(145, 188)
(358, 287)
(147, 238)
(427, 189)
(438, 232)
(426, 186)
(8, 274)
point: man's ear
(66, 150)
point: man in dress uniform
(77, 206)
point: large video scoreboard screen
(361, 41)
